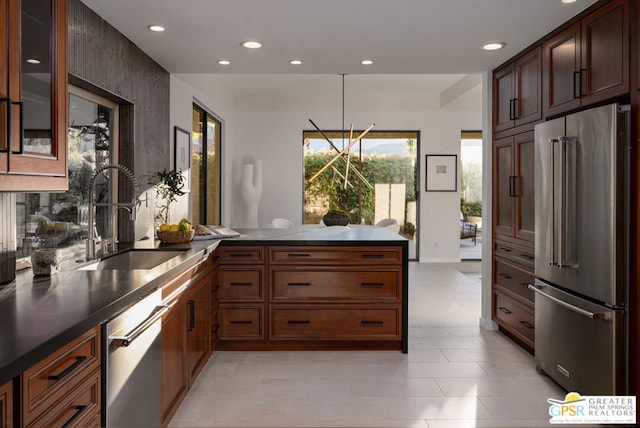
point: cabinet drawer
(334, 284)
(242, 322)
(242, 283)
(515, 280)
(243, 255)
(515, 315)
(78, 408)
(334, 322)
(523, 256)
(51, 379)
(335, 255)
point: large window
(206, 141)
(374, 181)
(60, 220)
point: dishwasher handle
(574, 308)
(126, 340)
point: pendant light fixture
(345, 153)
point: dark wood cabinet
(197, 303)
(33, 134)
(185, 340)
(588, 61)
(513, 236)
(214, 302)
(6, 403)
(313, 297)
(513, 186)
(513, 301)
(174, 377)
(64, 388)
(241, 276)
(348, 293)
(518, 91)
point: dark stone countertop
(38, 315)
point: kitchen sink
(133, 259)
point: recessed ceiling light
(33, 61)
(224, 62)
(366, 62)
(156, 28)
(295, 62)
(493, 46)
(252, 45)
(568, 1)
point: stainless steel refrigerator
(581, 189)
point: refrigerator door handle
(588, 314)
(551, 205)
(567, 206)
(563, 183)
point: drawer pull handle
(215, 288)
(65, 372)
(372, 256)
(76, 415)
(527, 256)
(372, 285)
(240, 322)
(507, 250)
(241, 284)
(504, 310)
(299, 284)
(192, 314)
(298, 255)
(505, 276)
(215, 330)
(525, 284)
(371, 323)
(298, 322)
(241, 255)
(527, 324)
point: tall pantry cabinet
(583, 63)
(33, 95)
(517, 107)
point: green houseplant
(336, 217)
(169, 186)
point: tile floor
(455, 375)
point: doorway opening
(471, 195)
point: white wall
(182, 97)
(266, 122)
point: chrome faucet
(129, 206)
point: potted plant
(169, 185)
(336, 217)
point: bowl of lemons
(176, 233)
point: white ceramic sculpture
(250, 191)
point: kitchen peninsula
(300, 288)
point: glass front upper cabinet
(33, 152)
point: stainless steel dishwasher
(131, 371)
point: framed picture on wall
(442, 173)
(182, 154)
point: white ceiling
(419, 37)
